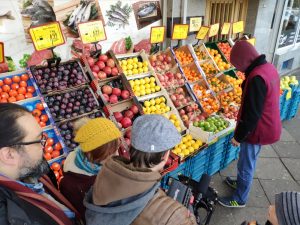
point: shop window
(287, 65)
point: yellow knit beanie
(96, 133)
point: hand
(234, 142)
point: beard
(33, 171)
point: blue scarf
(82, 163)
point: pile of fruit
(38, 111)
(57, 170)
(114, 91)
(207, 100)
(170, 79)
(71, 104)
(103, 67)
(52, 149)
(201, 55)
(175, 120)
(59, 78)
(187, 146)
(217, 85)
(144, 86)
(209, 69)
(226, 49)
(127, 137)
(133, 66)
(230, 97)
(180, 97)
(191, 74)
(230, 112)
(240, 75)
(156, 106)
(212, 124)
(127, 116)
(15, 89)
(160, 62)
(218, 59)
(183, 58)
(191, 113)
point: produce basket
(162, 61)
(184, 54)
(56, 166)
(201, 53)
(193, 72)
(213, 46)
(219, 84)
(209, 68)
(171, 79)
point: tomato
(28, 95)
(4, 95)
(22, 90)
(30, 89)
(49, 142)
(6, 88)
(23, 84)
(55, 154)
(48, 149)
(47, 156)
(1, 83)
(56, 174)
(37, 112)
(37, 119)
(24, 77)
(16, 79)
(40, 106)
(12, 99)
(63, 162)
(44, 118)
(13, 93)
(55, 166)
(42, 124)
(15, 86)
(3, 100)
(7, 81)
(57, 146)
(20, 97)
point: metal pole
(164, 19)
(183, 14)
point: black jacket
(253, 102)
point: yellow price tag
(238, 27)
(195, 23)
(157, 35)
(214, 29)
(1, 52)
(225, 28)
(180, 31)
(46, 36)
(252, 41)
(202, 32)
(91, 32)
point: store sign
(157, 35)
(180, 32)
(252, 41)
(214, 29)
(195, 23)
(1, 52)
(225, 28)
(92, 32)
(46, 36)
(202, 32)
(238, 27)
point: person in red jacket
(258, 120)
(26, 196)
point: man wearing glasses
(25, 196)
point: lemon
(158, 111)
(168, 109)
(162, 99)
(162, 105)
(191, 149)
(129, 67)
(129, 72)
(157, 101)
(152, 80)
(184, 139)
(124, 68)
(131, 82)
(145, 63)
(137, 94)
(143, 92)
(141, 70)
(125, 73)
(152, 85)
(179, 129)
(153, 108)
(147, 80)
(199, 142)
(182, 146)
(129, 61)
(135, 60)
(189, 137)
(157, 88)
(152, 101)
(147, 86)
(181, 155)
(172, 121)
(153, 90)
(124, 62)
(192, 141)
(186, 152)
(163, 111)
(157, 107)
(140, 65)
(145, 69)
(137, 82)
(177, 150)
(173, 117)
(177, 123)
(148, 91)
(135, 71)
(188, 143)
(142, 81)
(135, 66)
(147, 103)
(195, 146)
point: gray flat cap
(154, 133)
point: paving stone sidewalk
(278, 169)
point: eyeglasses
(42, 141)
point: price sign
(180, 31)
(157, 35)
(46, 36)
(252, 41)
(202, 32)
(195, 23)
(238, 27)
(225, 28)
(91, 32)
(1, 52)
(214, 29)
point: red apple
(134, 109)
(103, 58)
(91, 61)
(106, 89)
(181, 112)
(173, 98)
(116, 91)
(102, 75)
(107, 70)
(160, 58)
(118, 116)
(95, 69)
(106, 97)
(113, 99)
(115, 71)
(110, 63)
(128, 134)
(101, 65)
(126, 122)
(129, 114)
(177, 103)
(125, 94)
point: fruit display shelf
(225, 48)
(184, 54)
(103, 68)
(16, 86)
(134, 63)
(172, 78)
(162, 61)
(54, 146)
(218, 56)
(201, 53)
(56, 78)
(193, 72)
(219, 84)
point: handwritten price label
(214, 29)
(180, 31)
(202, 32)
(238, 27)
(46, 36)
(225, 28)
(195, 23)
(91, 32)
(157, 35)
(252, 41)
(1, 52)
